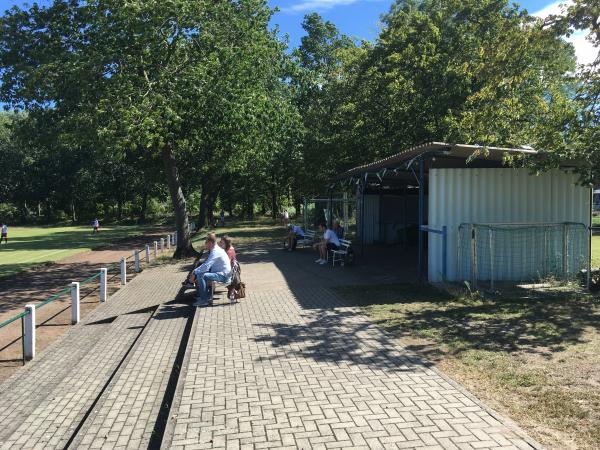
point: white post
(103, 282)
(29, 333)
(155, 249)
(147, 254)
(136, 259)
(162, 245)
(168, 241)
(74, 302)
(123, 271)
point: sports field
(31, 246)
(596, 251)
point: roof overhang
(446, 155)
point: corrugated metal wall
(459, 196)
(371, 219)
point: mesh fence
(516, 252)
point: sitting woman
(226, 244)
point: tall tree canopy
(185, 80)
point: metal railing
(134, 261)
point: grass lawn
(31, 246)
(533, 356)
(259, 231)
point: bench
(339, 255)
(307, 240)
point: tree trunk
(202, 209)
(249, 207)
(144, 205)
(184, 243)
(119, 210)
(274, 207)
(73, 216)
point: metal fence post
(444, 253)
(74, 302)
(136, 259)
(103, 283)
(123, 271)
(155, 249)
(147, 254)
(565, 262)
(29, 333)
(168, 241)
(473, 258)
(491, 235)
(162, 245)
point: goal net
(521, 252)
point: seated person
(217, 267)
(227, 245)
(294, 233)
(329, 242)
(338, 229)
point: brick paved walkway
(124, 350)
(290, 366)
(297, 369)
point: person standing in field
(95, 226)
(286, 217)
(222, 216)
(4, 235)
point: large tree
(141, 77)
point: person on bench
(295, 233)
(216, 268)
(338, 229)
(227, 244)
(330, 241)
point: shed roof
(454, 151)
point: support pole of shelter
(421, 217)
(345, 211)
(305, 213)
(590, 235)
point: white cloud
(552, 9)
(584, 50)
(316, 5)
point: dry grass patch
(532, 356)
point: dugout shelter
(471, 215)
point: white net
(521, 252)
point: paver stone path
(292, 366)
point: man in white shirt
(4, 235)
(295, 233)
(329, 242)
(216, 268)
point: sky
(361, 18)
